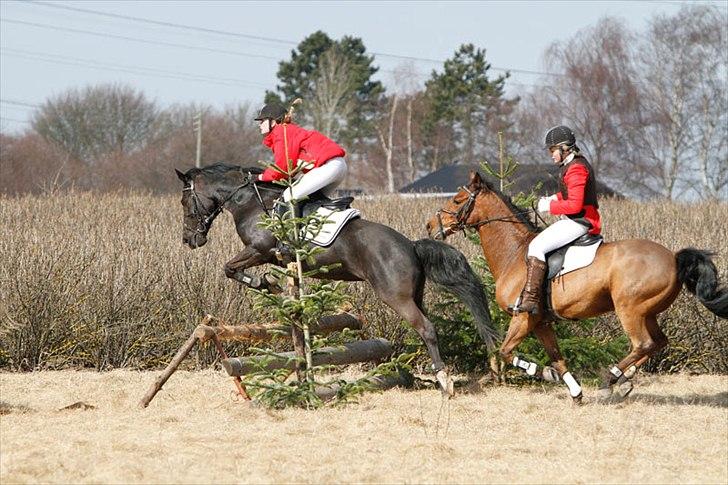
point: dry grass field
(673, 429)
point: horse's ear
(475, 182)
(181, 176)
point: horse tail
(695, 269)
(447, 267)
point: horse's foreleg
(248, 258)
(545, 333)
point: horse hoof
(447, 385)
(604, 393)
(578, 400)
(549, 374)
(625, 389)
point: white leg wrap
(574, 387)
(529, 367)
(630, 372)
(616, 372)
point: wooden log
(253, 332)
(168, 371)
(361, 351)
(379, 383)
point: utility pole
(197, 126)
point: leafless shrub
(103, 280)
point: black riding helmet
(271, 112)
(560, 135)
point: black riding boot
(531, 294)
(282, 210)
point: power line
(3, 118)
(161, 23)
(256, 37)
(136, 39)
(149, 71)
(19, 103)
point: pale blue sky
(44, 50)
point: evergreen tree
(298, 80)
(466, 104)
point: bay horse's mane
(515, 210)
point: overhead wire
(260, 38)
(149, 71)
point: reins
(205, 221)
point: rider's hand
(544, 205)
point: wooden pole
(253, 332)
(168, 371)
(349, 353)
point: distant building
(446, 181)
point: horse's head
(458, 212)
(198, 208)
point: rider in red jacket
(321, 159)
(575, 204)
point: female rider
(321, 159)
(576, 204)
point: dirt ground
(671, 430)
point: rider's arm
(575, 180)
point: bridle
(464, 211)
(204, 221)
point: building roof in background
(448, 179)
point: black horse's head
(197, 207)
(204, 195)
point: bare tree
(387, 140)
(405, 82)
(97, 121)
(596, 91)
(683, 94)
(333, 97)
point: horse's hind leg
(410, 311)
(646, 339)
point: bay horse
(636, 278)
(394, 266)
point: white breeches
(326, 178)
(553, 237)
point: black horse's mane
(222, 168)
(517, 211)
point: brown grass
(674, 429)
(103, 280)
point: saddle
(318, 200)
(336, 213)
(559, 264)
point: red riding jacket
(307, 145)
(578, 197)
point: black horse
(365, 251)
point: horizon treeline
(650, 110)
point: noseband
(205, 221)
(460, 216)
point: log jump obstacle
(215, 330)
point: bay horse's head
(204, 195)
(458, 212)
(476, 204)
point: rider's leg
(553, 237)
(326, 177)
